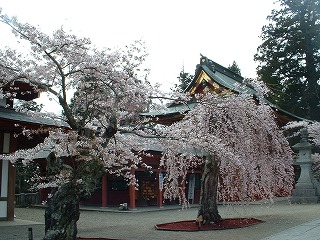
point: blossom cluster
(108, 89)
(254, 157)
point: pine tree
(235, 68)
(289, 57)
(184, 80)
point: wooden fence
(27, 199)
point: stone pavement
(309, 230)
(281, 221)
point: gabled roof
(220, 74)
(23, 90)
(211, 75)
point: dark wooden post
(11, 193)
(104, 191)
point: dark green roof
(20, 117)
(230, 80)
(213, 69)
(173, 109)
(224, 77)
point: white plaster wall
(3, 209)
(6, 142)
(4, 179)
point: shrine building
(209, 76)
(11, 139)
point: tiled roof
(20, 117)
(225, 78)
(181, 108)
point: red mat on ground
(191, 225)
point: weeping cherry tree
(244, 154)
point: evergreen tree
(184, 80)
(235, 68)
(289, 57)
(25, 176)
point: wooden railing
(27, 199)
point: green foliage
(184, 80)
(235, 68)
(25, 174)
(289, 57)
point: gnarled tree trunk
(62, 210)
(208, 209)
(62, 213)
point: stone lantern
(304, 191)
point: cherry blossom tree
(245, 154)
(111, 89)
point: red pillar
(132, 193)
(104, 191)
(160, 184)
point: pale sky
(175, 31)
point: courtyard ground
(139, 224)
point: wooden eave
(22, 90)
(167, 119)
